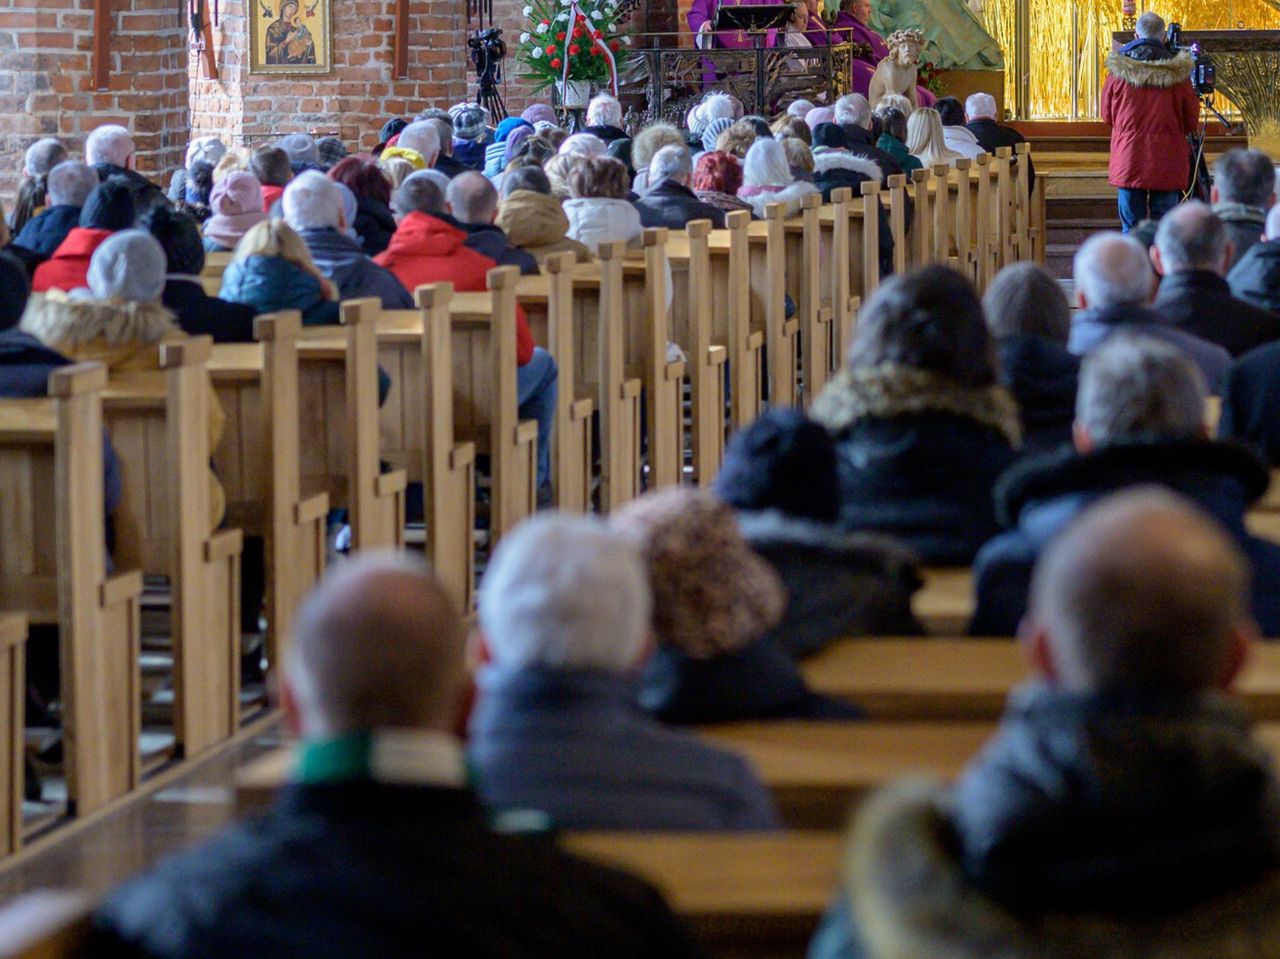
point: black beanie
(109, 207)
(14, 290)
(782, 461)
(179, 236)
(391, 128)
(830, 135)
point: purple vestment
(852, 29)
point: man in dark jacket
(1149, 104)
(1251, 403)
(1114, 285)
(604, 118)
(835, 166)
(1139, 420)
(69, 185)
(853, 116)
(1244, 188)
(669, 201)
(980, 118)
(109, 150)
(1193, 253)
(473, 205)
(313, 207)
(1256, 277)
(378, 847)
(1123, 808)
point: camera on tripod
(487, 51)
(1203, 75)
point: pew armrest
(526, 432)
(791, 327)
(462, 454)
(675, 371)
(222, 545)
(755, 341)
(580, 410)
(631, 389)
(717, 355)
(120, 588)
(388, 484)
(311, 509)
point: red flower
(596, 34)
(574, 49)
(560, 35)
(555, 64)
(551, 49)
(546, 23)
(615, 46)
(577, 32)
(595, 52)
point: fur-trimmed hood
(790, 195)
(829, 160)
(1150, 73)
(57, 321)
(890, 390)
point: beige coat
(537, 223)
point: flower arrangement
(582, 35)
(930, 77)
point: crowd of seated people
(1059, 449)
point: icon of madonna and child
(953, 35)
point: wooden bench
(971, 678)
(46, 924)
(944, 605)
(53, 559)
(215, 264)
(13, 688)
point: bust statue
(896, 73)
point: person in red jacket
(427, 249)
(1151, 107)
(109, 208)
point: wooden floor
(105, 851)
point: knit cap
(179, 237)
(205, 150)
(711, 133)
(109, 207)
(301, 149)
(391, 128)
(830, 135)
(782, 461)
(236, 194)
(819, 115)
(540, 113)
(331, 150)
(129, 265)
(468, 123)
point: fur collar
(1150, 73)
(869, 551)
(911, 900)
(842, 160)
(77, 322)
(790, 195)
(891, 390)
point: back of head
(783, 461)
(830, 136)
(109, 206)
(179, 237)
(363, 177)
(108, 144)
(472, 198)
(711, 132)
(565, 592)
(980, 106)
(924, 133)
(42, 156)
(1024, 298)
(311, 201)
(602, 177)
(930, 319)
(469, 121)
(604, 111)
(390, 604)
(1111, 269)
(711, 593)
(421, 136)
(799, 156)
(13, 280)
(950, 112)
(853, 109)
(717, 172)
(301, 148)
(652, 139)
(529, 177)
(275, 238)
(129, 265)
(332, 151)
(790, 126)
(670, 163)
(271, 166)
(397, 170)
(418, 194)
(71, 182)
(798, 108)
(1191, 237)
(431, 113)
(818, 116)
(737, 139)
(1150, 26)
(716, 105)
(538, 148)
(199, 184)
(236, 194)
(1142, 591)
(895, 123)
(766, 165)
(1133, 385)
(1245, 176)
(896, 101)
(444, 133)
(585, 145)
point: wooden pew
(1026, 231)
(732, 321)
(944, 605)
(896, 188)
(803, 236)
(53, 568)
(1005, 219)
(768, 278)
(970, 678)
(572, 446)
(215, 264)
(663, 381)
(849, 239)
(13, 687)
(162, 526)
(46, 924)
(922, 218)
(259, 464)
(985, 242)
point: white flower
(536, 53)
(563, 15)
(527, 12)
(627, 40)
(524, 38)
(596, 15)
(542, 28)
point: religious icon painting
(290, 36)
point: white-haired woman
(767, 178)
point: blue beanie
(506, 126)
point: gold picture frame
(290, 36)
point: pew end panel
(13, 688)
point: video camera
(487, 49)
(1203, 74)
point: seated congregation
(941, 406)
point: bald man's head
(472, 198)
(1141, 591)
(1192, 237)
(378, 644)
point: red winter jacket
(68, 268)
(1150, 107)
(426, 250)
(269, 196)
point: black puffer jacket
(374, 225)
(918, 457)
(1200, 303)
(1256, 276)
(1251, 403)
(1042, 376)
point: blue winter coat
(1041, 495)
(573, 745)
(1091, 327)
(271, 283)
(44, 233)
(340, 258)
(1042, 376)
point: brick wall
(46, 87)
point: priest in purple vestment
(851, 26)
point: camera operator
(1151, 107)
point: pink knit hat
(236, 194)
(819, 115)
(540, 112)
(711, 593)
